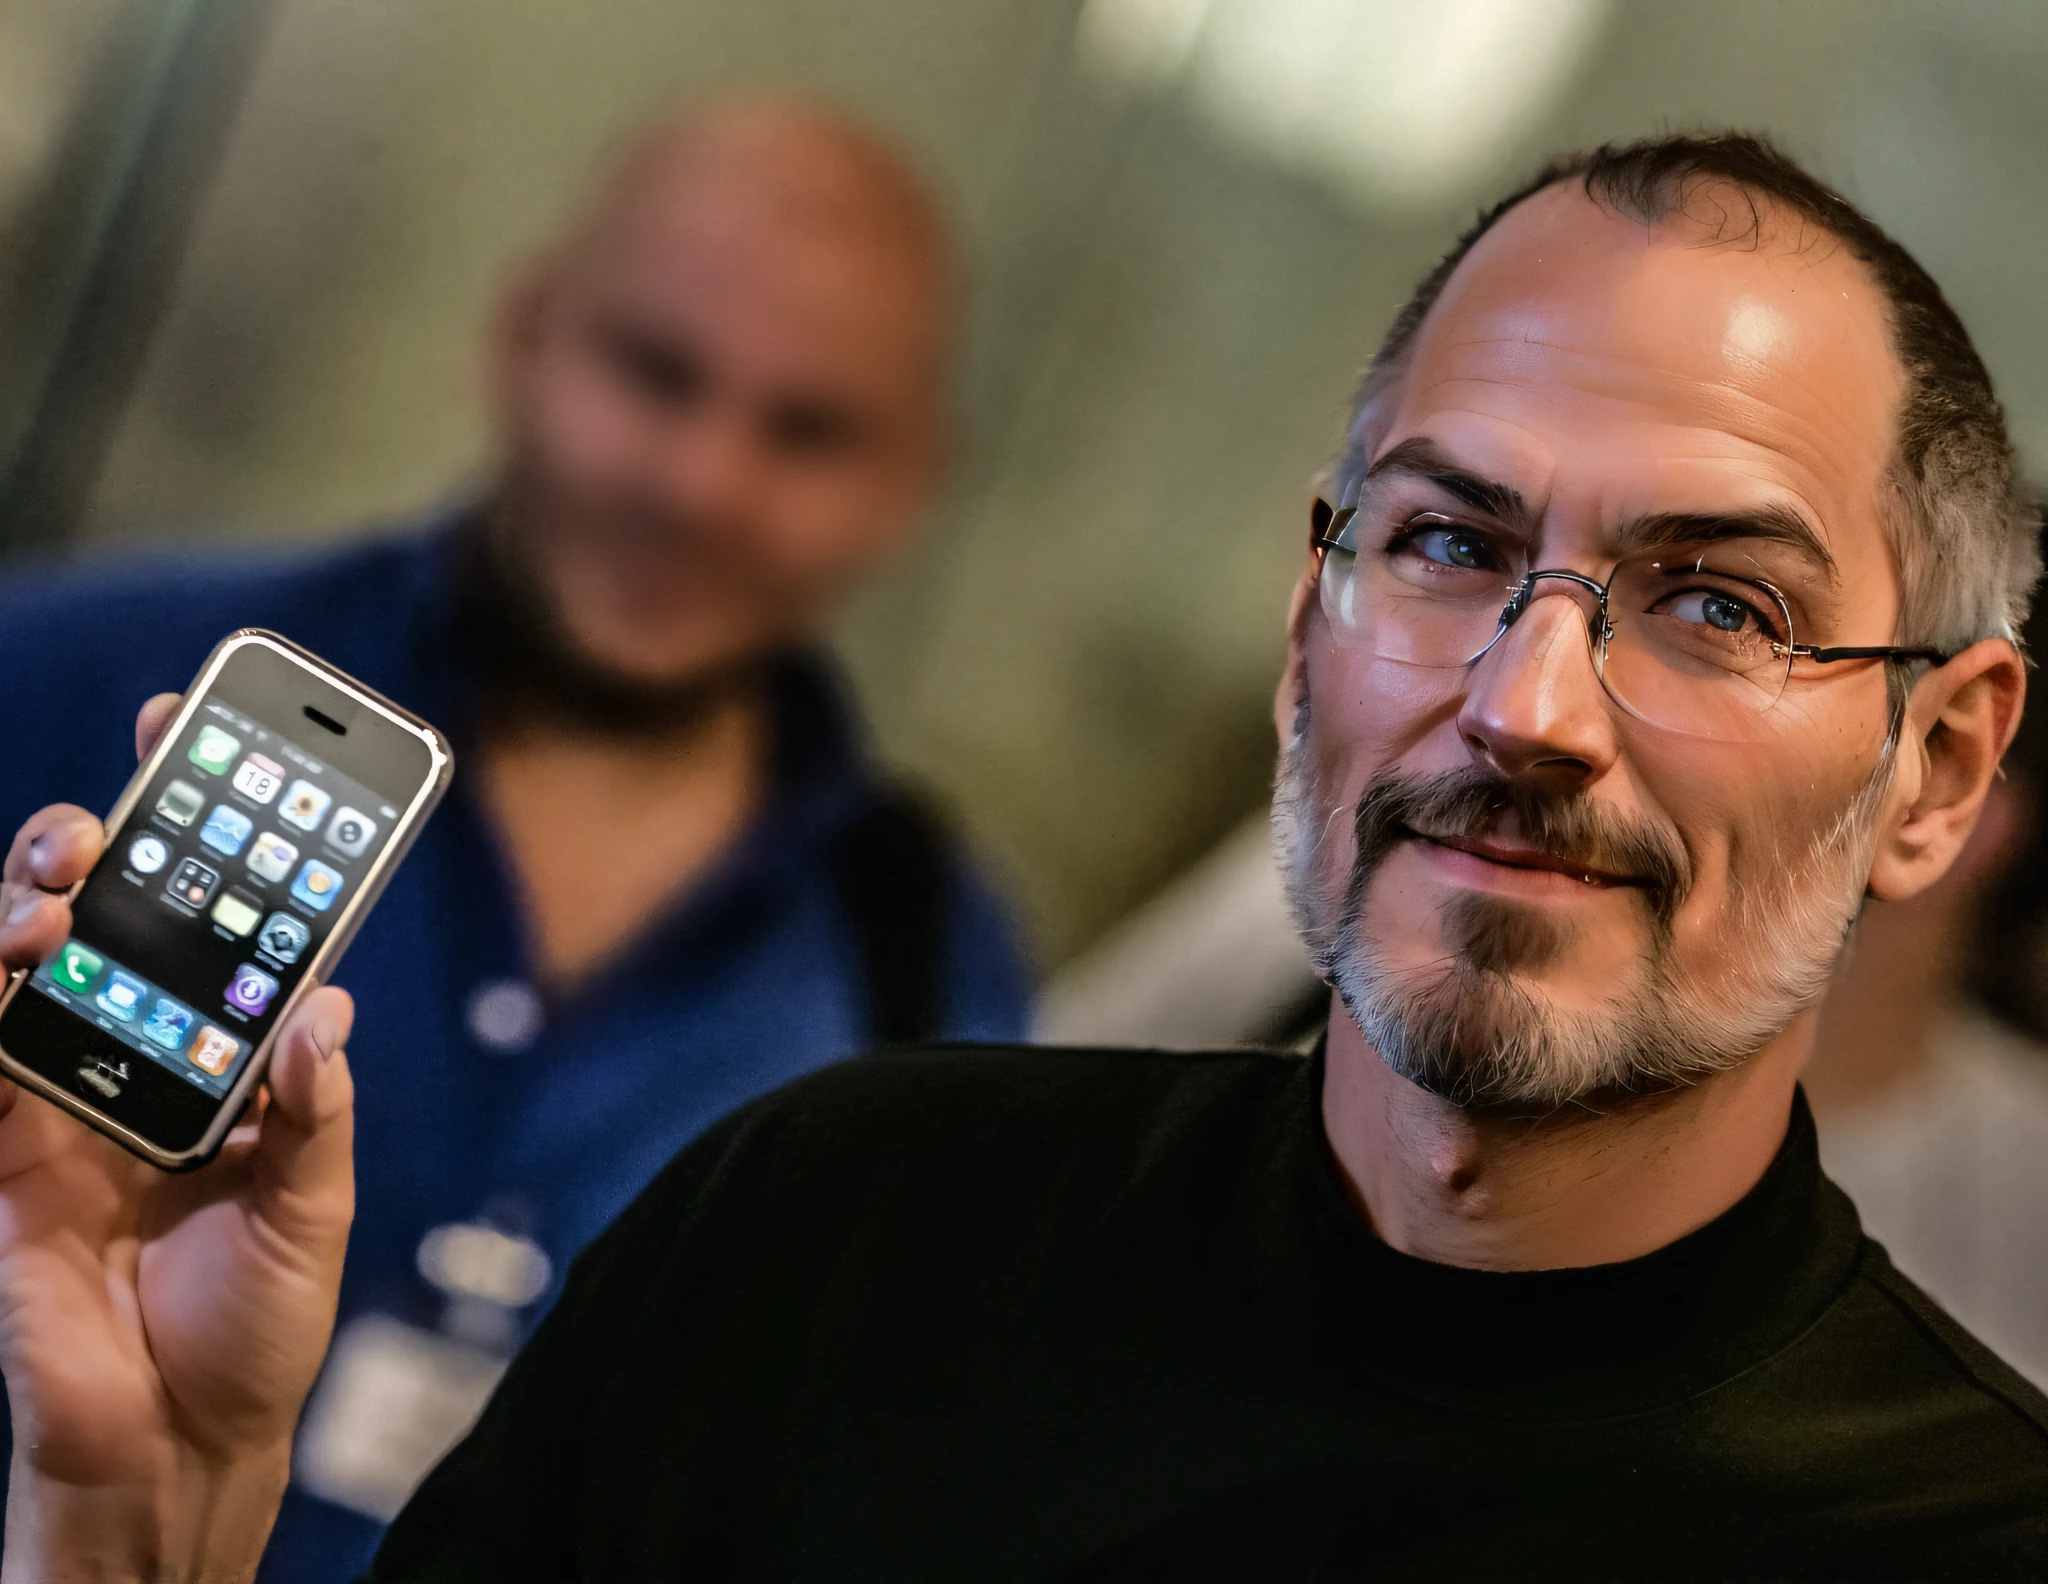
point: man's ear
(1959, 721)
(1287, 696)
(515, 328)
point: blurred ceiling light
(1400, 102)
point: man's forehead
(1579, 340)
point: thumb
(304, 1164)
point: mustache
(1569, 827)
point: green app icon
(75, 968)
(214, 749)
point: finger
(33, 924)
(151, 721)
(304, 1162)
(55, 848)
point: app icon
(75, 968)
(213, 750)
(226, 829)
(303, 805)
(213, 1050)
(317, 885)
(258, 778)
(167, 1023)
(251, 989)
(180, 803)
(237, 911)
(192, 883)
(147, 854)
(272, 857)
(122, 997)
(351, 832)
(284, 937)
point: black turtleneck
(1107, 1315)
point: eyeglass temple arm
(1877, 652)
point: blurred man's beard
(510, 632)
(1476, 1025)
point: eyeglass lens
(1686, 647)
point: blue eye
(1713, 608)
(1458, 549)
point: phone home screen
(215, 894)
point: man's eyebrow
(1772, 524)
(1420, 458)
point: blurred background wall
(246, 247)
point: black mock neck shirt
(1035, 1315)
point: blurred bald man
(668, 879)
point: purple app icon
(251, 990)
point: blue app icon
(167, 1024)
(226, 829)
(317, 885)
(122, 996)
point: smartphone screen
(249, 845)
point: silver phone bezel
(440, 768)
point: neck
(1584, 1187)
(1901, 975)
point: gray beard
(1474, 1028)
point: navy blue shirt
(477, 1099)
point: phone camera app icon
(213, 750)
(351, 832)
(213, 1051)
(237, 911)
(272, 857)
(284, 937)
(75, 967)
(147, 854)
(226, 829)
(122, 997)
(258, 778)
(167, 1023)
(192, 883)
(304, 805)
(317, 885)
(180, 803)
(251, 989)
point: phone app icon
(147, 854)
(122, 997)
(167, 1023)
(258, 778)
(350, 832)
(180, 803)
(237, 911)
(304, 805)
(213, 750)
(251, 990)
(272, 857)
(317, 885)
(226, 829)
(213, 1050)
(75, 967)
(284, 937)
(192, 883)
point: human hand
(158, 1333)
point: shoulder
(1946, 1445)
(966, 1133)
(1983, 1386)
(161, 603)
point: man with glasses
(1659, 611)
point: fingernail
(23, 908)
(39, 852)
(326, 1037)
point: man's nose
(711, 457)
(1534, 707)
